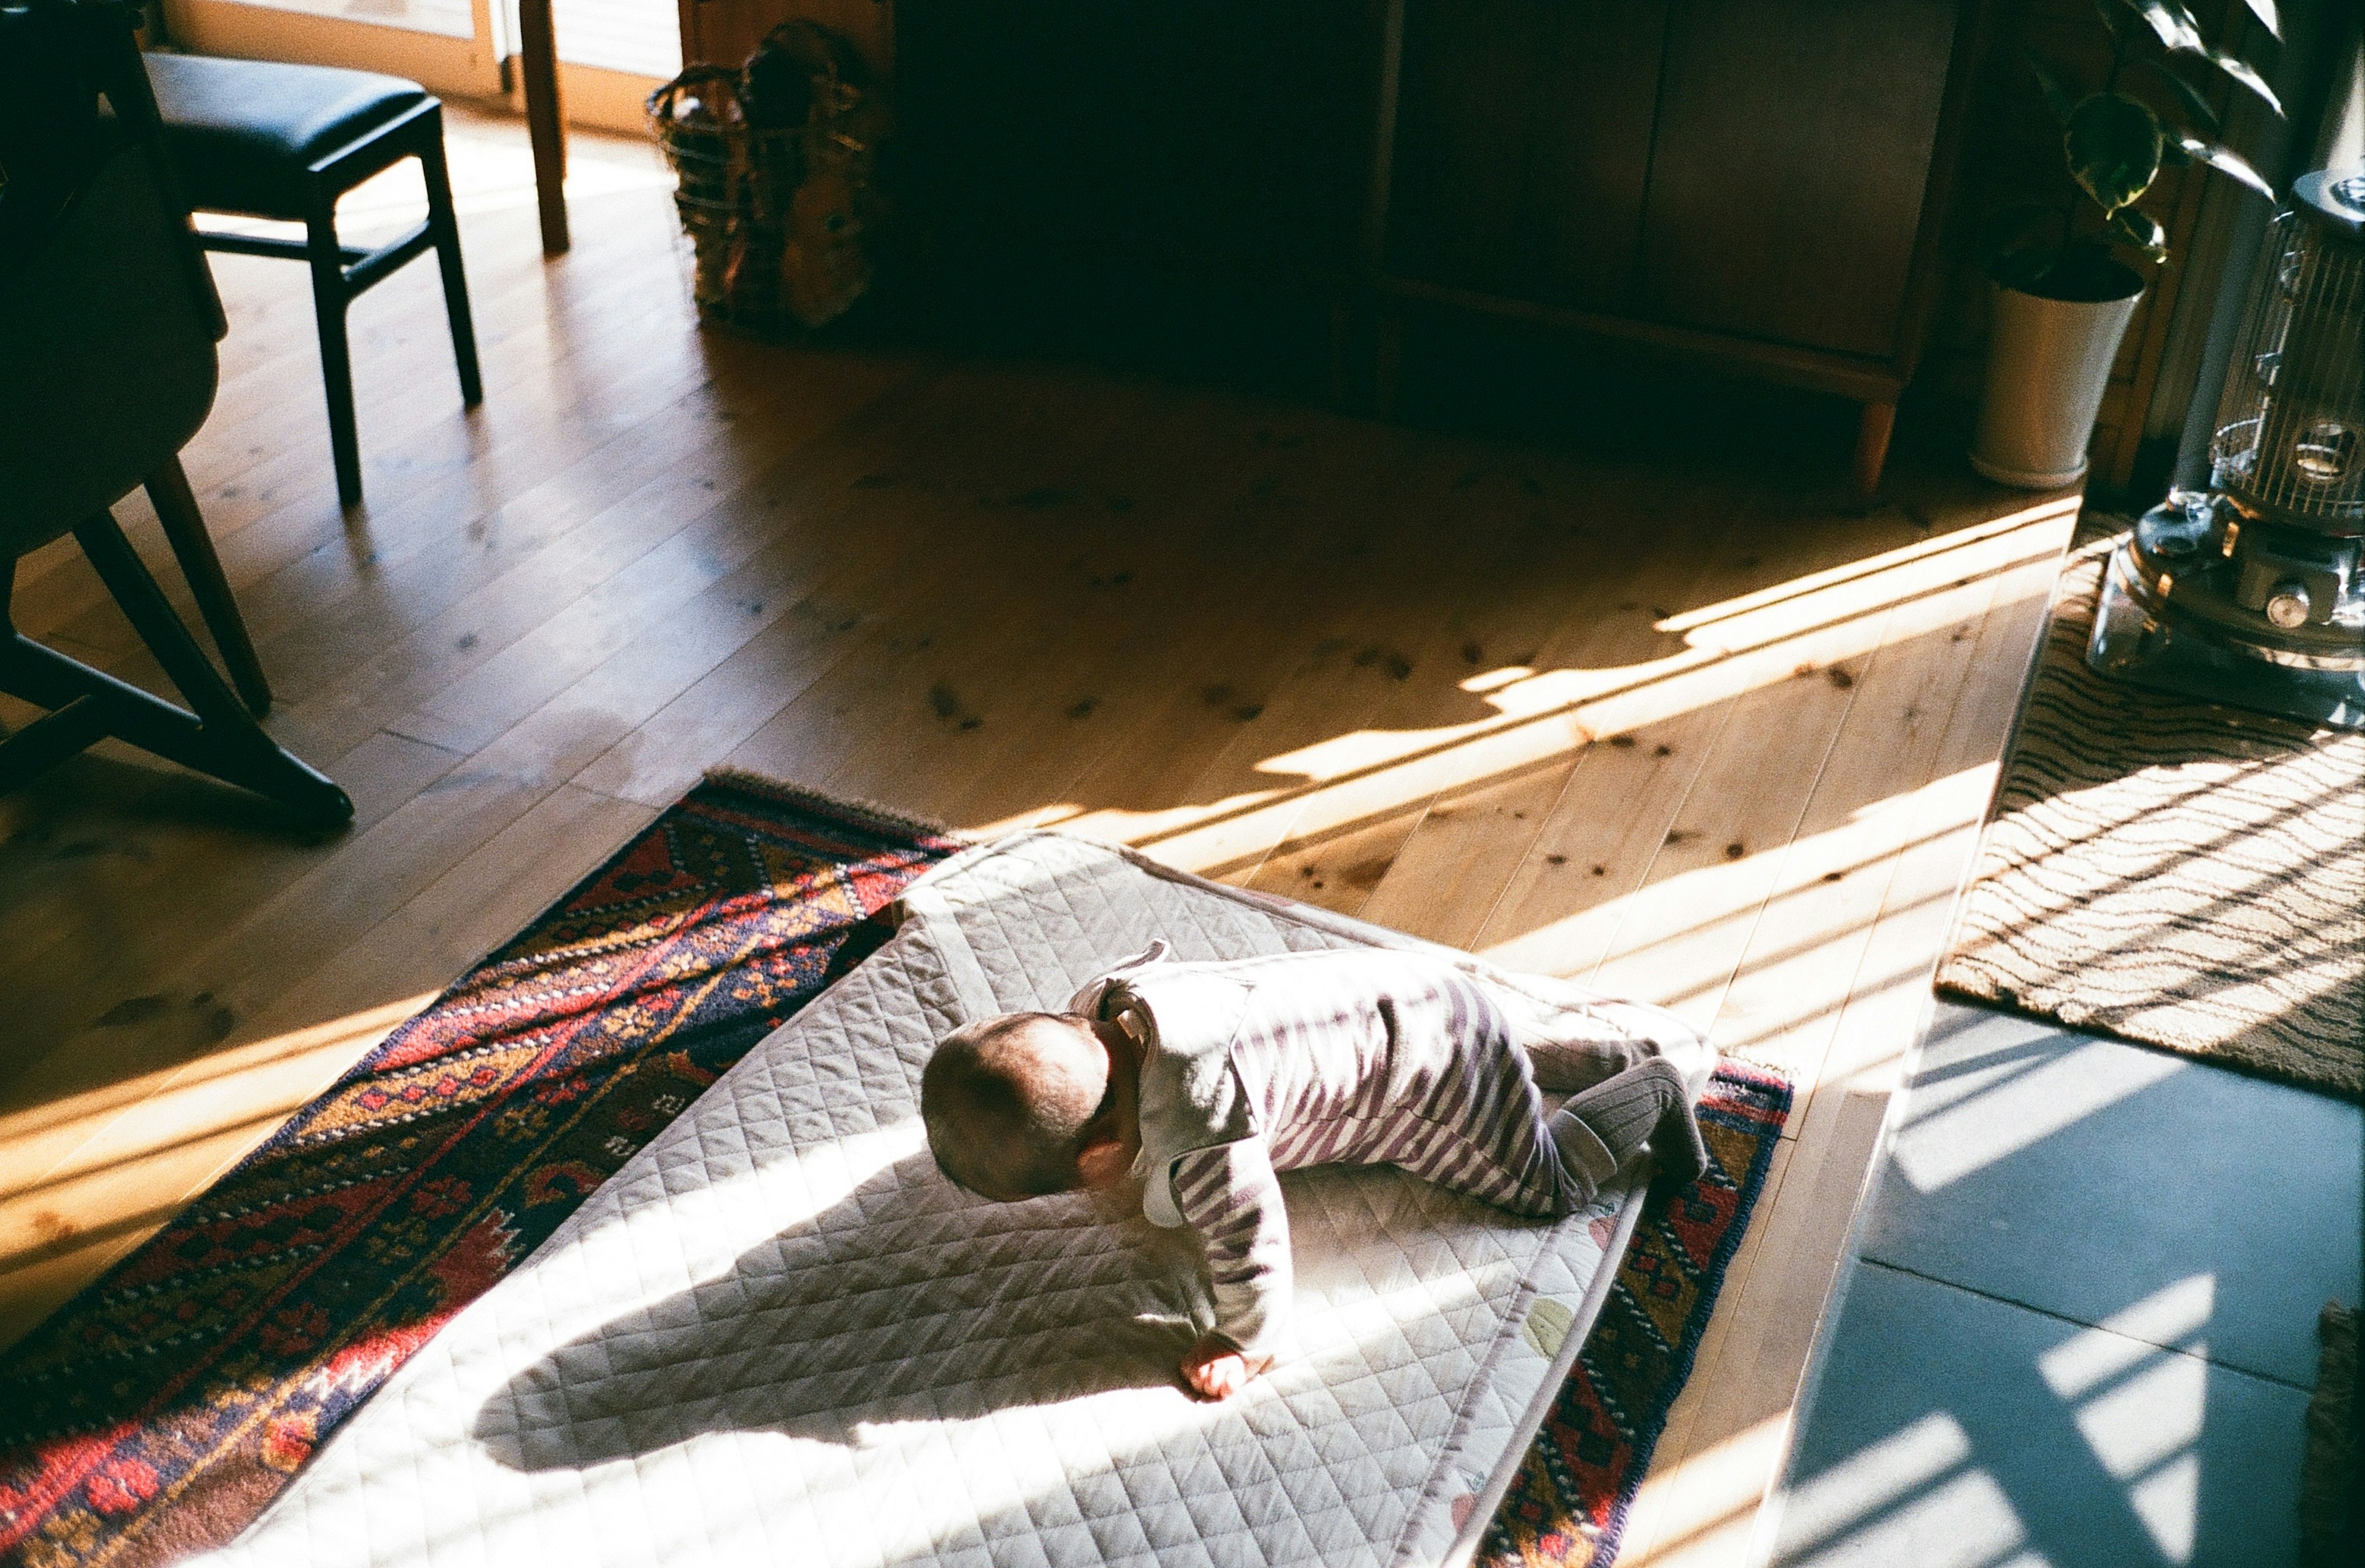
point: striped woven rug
(2177, 874)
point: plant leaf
(2265, 11)
(2114, 143)
(2172, 23)
(2225, 162)
(2115, 18)
(2056, 97)
(2195, 103)
(2131, 226)
(2180, 34)
(2233, 65)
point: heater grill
(2291, 427)
(2253, 592)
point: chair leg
(446, 226)
(222, 738)
(329, 298)
(84, 705)
(185, 528)
(48, 740)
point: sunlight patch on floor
(2140, 1386)
(1690, 620)
(1705, 1507)
(1883, 1503)
(2136, 1388)
(1964, 1124)
(1692, 961)
(1542, 715)
(105, 1168)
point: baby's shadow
(906, 1301)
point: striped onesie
(1259, 1065)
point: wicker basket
(776, 218)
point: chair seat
(243, 132)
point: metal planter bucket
(2048, 364)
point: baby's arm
(1231, 1197)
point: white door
(611, 53)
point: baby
(1204, 1080)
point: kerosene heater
(2252, 592)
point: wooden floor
(1653, 713)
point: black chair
(109, 321)
(285, 142)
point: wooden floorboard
(1669, 716)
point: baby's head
(1011, 1103)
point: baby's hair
(1006, 1117)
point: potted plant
(2065, 289)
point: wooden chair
(285, 142)
(109, 321)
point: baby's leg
(1582, 1045)
(1602, 1129)
(1481, 1127)
(1564, 1067)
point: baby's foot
(1647, 1100)
(1215, 1369)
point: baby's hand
(1214, 1370)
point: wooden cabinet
(1195, 138)
(1788, 174)
(1749, 180)
(1523, 147)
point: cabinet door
(1209, 138)
(1523, 136)
(1786, 179)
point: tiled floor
(2080, 1324)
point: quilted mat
(777, 1335)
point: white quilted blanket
(777, 1336)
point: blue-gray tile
(2080, 1175)
(1951, 1430)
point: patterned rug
(161, 1410)
(2177, 874)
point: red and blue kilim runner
(162, 1409)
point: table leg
(538, 60)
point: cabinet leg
(1873, 426)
